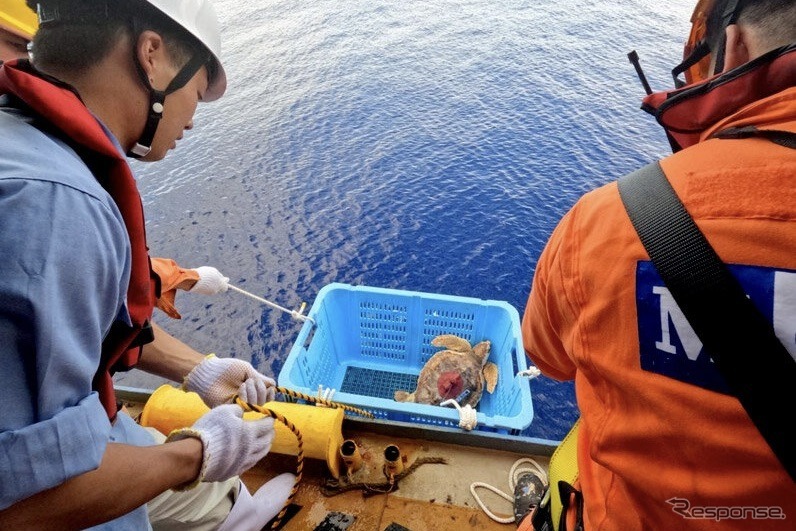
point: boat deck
(435, 496)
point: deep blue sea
(420, 145)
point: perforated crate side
(504, 401)
(318, 364)
(444, 317)
(383, 329)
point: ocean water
(418, 145)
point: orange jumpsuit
(659, 448)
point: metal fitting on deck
(351, 454)
(393, 461)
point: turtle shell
(460, 372)
(450, 374)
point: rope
(514, 475)
(296, 314)
(327, 403)
(530, 373)
(299, 455)
(468, 417)
(332, 487)
(292, 427)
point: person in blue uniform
(76, 286)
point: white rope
(493, 516)
(296, 314)
(530, 373)
(468, 417)
(514, 474)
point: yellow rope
(299, 455)
(327, 403)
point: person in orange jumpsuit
(662, 444)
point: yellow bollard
(393, 461)
(170, 408)
(351, 454)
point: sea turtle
(460, 372)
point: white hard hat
(199, 18)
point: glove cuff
(185, 433)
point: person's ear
(736, 49)
(151, 54)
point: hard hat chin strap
(144, 144)
(699, 49)
(157, 98)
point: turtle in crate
(460, 372)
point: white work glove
(253, 512)
(210, 282)
(218, 380)
(230, 444)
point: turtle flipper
(491, 376)
(404, 396)
(481, 350)
(452, 342)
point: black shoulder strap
(783, 138)
(741, 342)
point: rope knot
(468, 417)
(530, 373)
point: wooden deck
(433, 497)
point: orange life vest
(63, 112)
(687, 112)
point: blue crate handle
(307, 333)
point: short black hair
(776, 20)
(77, 34)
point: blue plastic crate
(369, 342)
